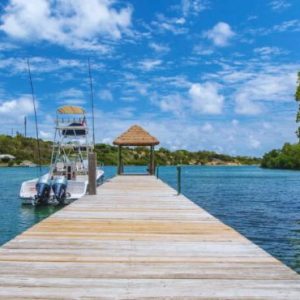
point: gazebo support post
(151, 169)
(119, 160)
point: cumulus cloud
(173, 103)
(243, 138)
(70, 23)
(264, 87)
(16, 108)
(244, 106)
(206, 98)
(220, 34)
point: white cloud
(220, 34)
(106, 95)
(177, 81)
(244, 138)
(149, 64)
(138, 87)
(291, 25)
(207, 127)
(267, 52)
(193, 6)
(254, 142)
(17, 108)
(264, 87)
(279, 5)
(286, 26)
(180, 21)
(70, 23)
(5, 46)
(201, 50)
(45, 134)
(173, 103)
(244, 106)
(252, 17)
(205, 98)
(71, 93)
(159, 48)
(40, 64)
(71, 96)
(174, 25)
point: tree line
(25, 148)
(288, 157)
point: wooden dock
(138, 240)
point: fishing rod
(92, 100)
(35, 115)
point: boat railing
(70, 120)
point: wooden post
(151, 169)
(178, 180)
(157, 171)
(119, 160)
(92, 159)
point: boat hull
(76, 189)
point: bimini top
(136, 136)
(71, 110)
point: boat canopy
(71, 110)
(74, 129)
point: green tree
(297, 98)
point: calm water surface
(263, 205)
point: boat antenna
(35, 115)
(92, 100)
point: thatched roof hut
(136, 136)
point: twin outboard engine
(59, 187)
(43, 189)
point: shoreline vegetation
(25, 151)
(288, 157)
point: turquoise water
(261, 204)
(14, 217)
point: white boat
(67, 179)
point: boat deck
(137, 239)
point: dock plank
(136, 239)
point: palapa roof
(136, 136)
(71, 110)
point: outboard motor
(59, 188)
(43, 189)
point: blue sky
(198, 74)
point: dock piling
(178, 180)
(92, 159)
